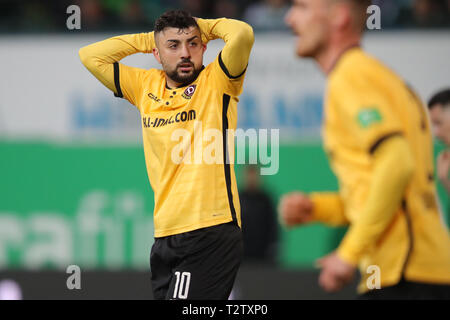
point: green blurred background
(66, 199)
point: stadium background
(73, 184)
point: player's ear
(204, 47)
(342, 15)
(156, 54)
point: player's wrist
(206, 28)
(309, 212)
(317, 206)
(347, 256)
(149, 40)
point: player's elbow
(86, 57)
(246, 35)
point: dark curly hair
(440, 98)
(175, 19)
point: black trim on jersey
(225, 70)
(226, 157)
(410, 236)
(117, 81)
(377, 143)
(422, 109)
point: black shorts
(407, 290)
(200, 264)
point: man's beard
(183, 78)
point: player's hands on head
(204, 30)
(295, 208)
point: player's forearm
(328, 208)
(99, 57)
(238, 37)
(393, 168)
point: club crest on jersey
(368, 116)
(189, 92)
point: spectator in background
(92, 13)
(154, 8)
(390, 10)
(133, 15)
(226, 8)
(36, 16)
(259, 220)
(197, 8)
(439, 106)
(425, 14)
(128, 12)
(109, 15)
(267, 15)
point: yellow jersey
(366, 103)
(189, 194)
(188, 131)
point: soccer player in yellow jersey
(378, 140)
(198, 241)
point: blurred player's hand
(336, 273)
(443, 166)
(295, 208)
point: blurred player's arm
(393, 168)
(101, 58)
(297, 208)
(238, 37)
(328, 208)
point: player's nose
(185, 53)
(288, 17)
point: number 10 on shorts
(181, 285)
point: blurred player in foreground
(378, 139)
(439, 106)
(198, 240)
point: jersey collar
(339, 58)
